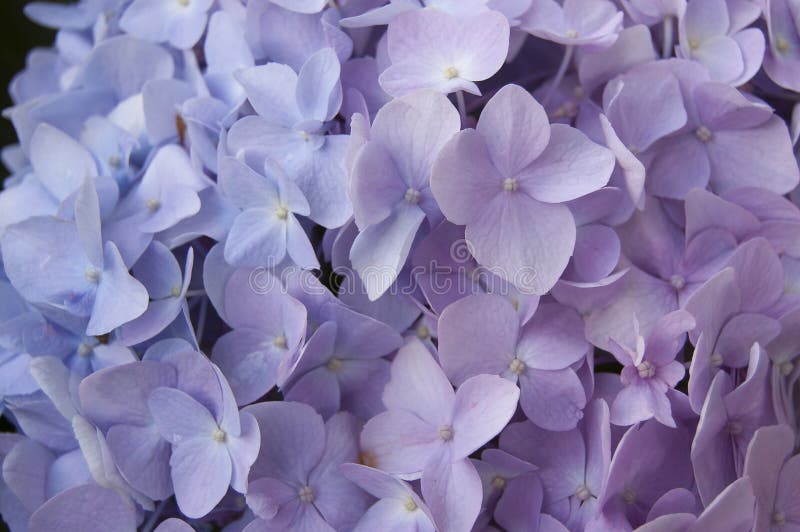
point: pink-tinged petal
(453, 493)
(524, 241)
(402, 79)
(477, 334)
(285, 428)
(87, 508)
(553, 339)
(419, 386)
(570, 166)
(381, 250)
(399, 442)
(464, 179)
(201, 472)
(553, 400)
(515, 128)
(766, 454)
(759, 156)
(484, 405)
(520, 504)
(435, 42)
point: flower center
(703, 134)
(781, 44)
(516, 366)
(368, 459)
(280, 342)
(571, 34)
(646, 370)
(218, 435)
(785, 368)
(114, 161)
(694, 44)
(412, 195)
(715, 360)
(779, 518)
(451, 72)
(84, 350)
(677, 282)
(184, 3)
(498, 482)
(92, 275)
(423, 332)
(510, 184)
(446, 432)
(582, 493)
(629, 496)
(334, 364)
(282, 212)
(735, 428)
(410, 505)
(175, 291)
(152, 204)
(306, 494)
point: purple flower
(429, 431)
(650, 369)
(210, 451)
(430, 49)
(179, 22)
(398, 505)
(390, 187)
(482, 334)
(296, 482)
(513, 169)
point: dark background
(17, 36)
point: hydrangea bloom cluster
(405, 265)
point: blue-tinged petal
(120, 298)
